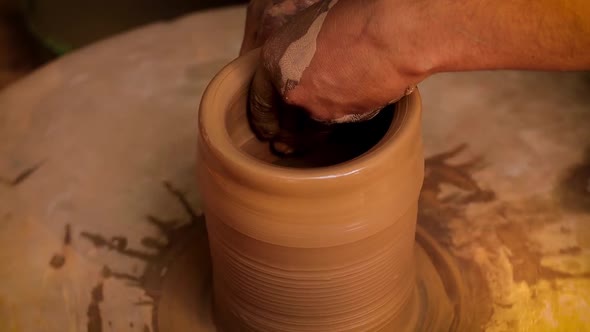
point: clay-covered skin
(269, 114)
(313, 249)
(265, 17)
(286, 59)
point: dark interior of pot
(316, 144)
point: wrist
(410, 36)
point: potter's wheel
(440, 301)
(97, 194)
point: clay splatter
(177, 234)
(67, 235)
(526, 261)
(116, 243)
(58, 260)
(93, 313)
(22, 176)
(435, 213)
(535, 267)
(515, 255)
(180, 196)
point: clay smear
(299, 54)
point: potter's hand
(264, 17)
(331, 60)
(341, 60)
(327, 60)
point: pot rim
(214, 134)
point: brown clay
(307, 249)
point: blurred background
(33, 32)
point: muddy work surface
(98, 194)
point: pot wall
(307, 249)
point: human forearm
(491, 34)
(341, 60)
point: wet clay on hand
(270, 116)
(287, 55)
(308, 248)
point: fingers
(270, 119)
(262, 111)
(299, 133)
(289, 129)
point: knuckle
(264, 122)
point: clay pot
(307, 248)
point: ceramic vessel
(307, 249)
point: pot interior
(324, 145)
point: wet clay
(440, 301)
(298, 55)
(327, 246)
